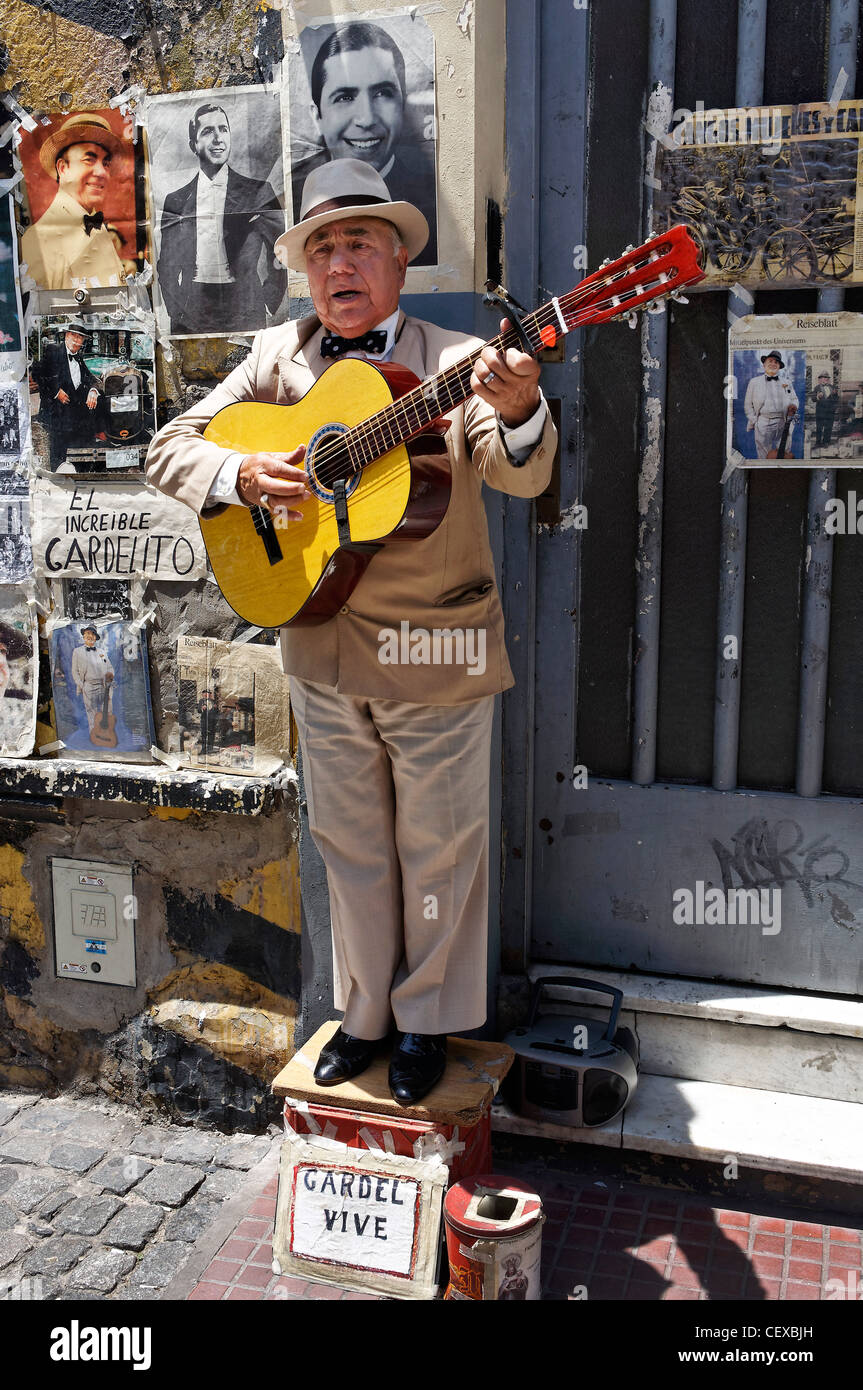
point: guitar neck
(416, 410)
(658, 268)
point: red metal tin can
(494, 1237)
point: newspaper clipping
(795, 392)
(772, 194)
(18, 684)
(16, 558)
(234, 709)
(365, 90)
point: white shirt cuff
(224, 486)
(522, 440)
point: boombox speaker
(571, 1070)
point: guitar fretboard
(629, 282)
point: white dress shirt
(520, 442)
(211, 263)
(74, 369)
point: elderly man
(69, 246)
(770, 400)
(213, 232)
(396, 758)
(358, 103)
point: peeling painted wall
(217, 951)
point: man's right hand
(62, 397)
(276, 477)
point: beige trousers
(397, 797)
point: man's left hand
(92, 398)
(507, 381)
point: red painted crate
(465, 1149)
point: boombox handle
(574, 982)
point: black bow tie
(333, 346)
(95, 220)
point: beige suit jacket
(445, 581)
(59, 254)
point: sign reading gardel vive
(83, 529)
(365, 1220)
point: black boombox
(571, 1070)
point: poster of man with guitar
(338, 476)
(101, 689)
(93, 677)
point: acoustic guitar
(376, 457)
(103, 731)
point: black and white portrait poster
(101, 689)
(92, 394)
(19, 654)
(16, 555)
(365, 90)
(216, 180)
(14, 422)
(10, 298)
(93, 598)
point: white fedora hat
(86, 129)
(345, 188)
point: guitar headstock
(662, 266)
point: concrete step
(726, 1125)
(734, 1035)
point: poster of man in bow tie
(216, 175)
(79, 174)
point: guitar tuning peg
(656, 306)
(632, 318)
(680, 298)
(630, 247)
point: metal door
(699, 769)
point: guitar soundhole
(327, 459)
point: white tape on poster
(113, 531)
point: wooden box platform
(462, 1096)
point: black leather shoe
(417, 1065)
(345, 1056)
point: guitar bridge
(340, 501)
(264, 525)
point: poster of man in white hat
(79, 176)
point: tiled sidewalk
(607, 1240)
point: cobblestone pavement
(97, 1204)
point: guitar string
(396, 412)
(459, 370)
